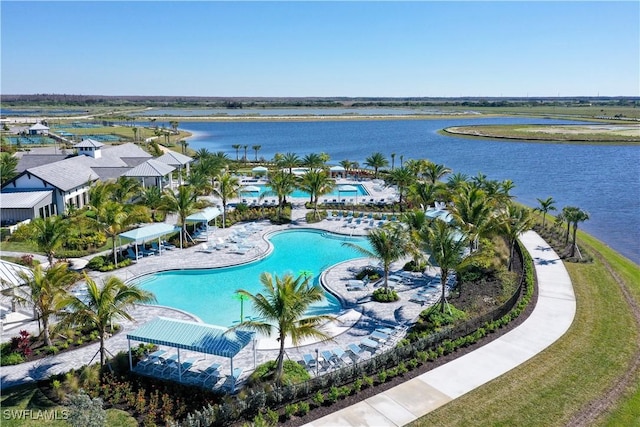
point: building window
(41, 210)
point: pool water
(210, 293)
(361, 191)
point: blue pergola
(194, 336)
(148, 233)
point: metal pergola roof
(149, 232)
(205, 215)
(199, 337)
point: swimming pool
(356, 189)
(210, 294)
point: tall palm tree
(46, 291)
(237, 148)
(245, 153)
(388, 244)
(289, 161)
(393, 161)
(312, 161)
(282, 184)
(151, 197)
(200, 180)
(402, 178)
(457, 180)
(445, 248)
(184, 144)
(135, 134)
(8, 167)
(283, 304)
(256, 148)
(425, 193)
(48, 234)
(174, 126)
(183, 203)
(545, 206)
(124, 189)
(114, 217)
(376, 161)
(473, 211)
(104, 304)
(228, 188)
(317, 183)
(347, 165)
(514, 221)
(568, 212)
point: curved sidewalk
(551, 318)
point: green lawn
(550, 388)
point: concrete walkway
(550, 319)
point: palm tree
(174, 125)
(445, 248)
(576, 215)
(393, 161)
(283, 304)
(245, 153)
(184, 144)
(376, 161)
(104, 304)
(514, 221)
(124, 189)
(256, 148)
(135, 134)
(317, 183)
(346, 164)
(425, 193)
(474, 212)
(114, 217)
(457, 180)
(46, 292)
(8, 167)
(313, 161)
(546, 205)
(434, 172)
(49, 234)
(568, 212)
(200, 181)
(388, 244)
(402, 178)
(184, 203)
(151, 198)
(289, 161)
(237, 148)
(282, 184)
(228, 188)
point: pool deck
(552, 316)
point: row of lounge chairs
(161, 365)
(143, 251)
(339, 357)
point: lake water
(333, 111)
(604, 180)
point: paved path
(550, 319)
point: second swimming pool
(210, 294)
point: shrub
(11, 359)
(433, 319)
(303, 408)
(85, 411)
(382, 376)
(96, 262)
(333, 395)
(290, 410)
(357, 385)
(318, 398)
(382, 295)
(272, 417)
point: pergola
(193, 336)
(149, 232)
(260, 170)
(204, 215)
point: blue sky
(321, 48)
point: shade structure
(336, 169)
(204, 215)
(260, 170)
(193, 336)
(148, 232)
(251, 189)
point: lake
(604, 180)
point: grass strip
(579, 368)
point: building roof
(10, 273)
(89, 143)
(204, 215)
(200, 337)
(174, 159)
(28, 161)
(125, 150)
(22, 199)
(66, 174)
(150, 168)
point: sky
(326, 49)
